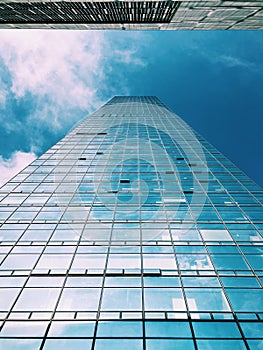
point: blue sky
(49, 80)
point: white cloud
(11, 166)
(55, 78)
(63, 70)
(62, 65)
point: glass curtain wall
(131, 232)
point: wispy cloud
(3, 94)
(63, 67)
(129, 57)
(49, 80)
(10, 167)
(226, 49)
(232, 61)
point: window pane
(19, 261)
(221, 344)
(121, 329)
(244, 300)
(7, 297)
(167, 329)
(20, 344)
(24, 329)
(40, 299)
(169, 344)
(71, 329)
(194, 262)
(206, 299)
(68, 344)
(118, 344)
(121, 299)
(81, 299)
(216, 330)
(164, 300)
(229, 262)
(86, 281)
(200, 282)
(89, 261)
(161, 282)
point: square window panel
(256, 261)
(24, 329)
(216, 235)
(89, 261)
(20, 344)
(206, 299)
(159, 261)
(164, 281)
(118, 344)
(157, 299)
(79, 299)
(124, 261)
(37, 299)
(221, 344)
(43, 281)
(216, 330)
(122, 281)
(255, 344)
(169, 344)
(119, 329)
(84, 281)
(163, 329)
(235, 281)
(229, 262)
(121, 299)
(68, 344)
(11, 281)
(246, 300)
(19, 262)
(54, 261)
(7, 297)
(252, 329)
(194, 262)
(200, 282)
(71, 329)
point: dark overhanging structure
(132, 15)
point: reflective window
(243, 300)
(164, 300)
(68, 344)
(75, 299)
(20, 344)
(71, 329)
(119, 328)
(206, 299)
(167, 329)
(24, 329)
(169, 344)
(216, 330)
(42, 299)
(121, 299)
(7, 297)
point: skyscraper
(138, 15)
(131, 232)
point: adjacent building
(137, 15)
(131, 232)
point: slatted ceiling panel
(97, 12)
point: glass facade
(132, 15)
(131, 232)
